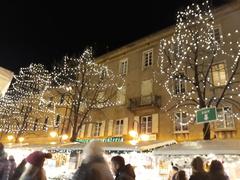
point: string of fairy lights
(32, 102)
(195, 48)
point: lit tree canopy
(23, 105)
(86, 86)
(187, 62)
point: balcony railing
(153, 101)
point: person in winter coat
(4, 164)
(198, 172)
(93, 166)
(19, 170)
(216, 171)
(12, 165)
(181, 175)
(34, 166)
(122, 171)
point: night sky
(45, 31)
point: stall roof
(201, 147)
(107, 146)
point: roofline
(220, 11)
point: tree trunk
(73, 137)
(206, 131)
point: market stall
(181, 154)
(67, 157)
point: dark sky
(45, 31)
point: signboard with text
(206, 115)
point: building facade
(141, 99)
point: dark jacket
(199, 176)
(216, 176)
(4, 168)
(125, 173)
(95, 168)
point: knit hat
(37, 158)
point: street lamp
(21, 139)
(53, 134)
(61, 138)
(136, 138)
(10, 137)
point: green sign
(206, 115)
(111, 139)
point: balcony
(144, 102)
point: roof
(201, 147)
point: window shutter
(82, 131)
(102, 130)
(155, 123)
(89, 132)
(136, 123)
(110, 128)
(125, 126)
(146, 87)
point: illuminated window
(219, 74)
(225, 120)
(147, 58)
(217, 34)
(118, 127)
(123, 67)
(179, 84)
(181, 122)
(97, 129)
(146, 124)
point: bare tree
(23, 104)
(84, 87)
(189, 59)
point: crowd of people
(214, 172)
(95, 167)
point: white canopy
(5, 80)
(201, 147)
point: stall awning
(201, 147)
(107, 146)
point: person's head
(197, 164)
(92, 149)
(117, 162)
(11, 158)
(175, 168)
(181, 175)
(37, 158)
(216, 167)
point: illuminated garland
(193, 48)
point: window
(57, 122)
(62, 99)
(96, 129)
(225, 120)
(179, 84)
(35, 125)
(147, 58)
(123, 67)
(219, 74)
(146, 92)
(217, 34)
(121, 95)
(146, 124)
(181, 122)
(45, 124)
(118, 127)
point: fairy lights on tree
(23, 108)
(84, 87)
(198, 68)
